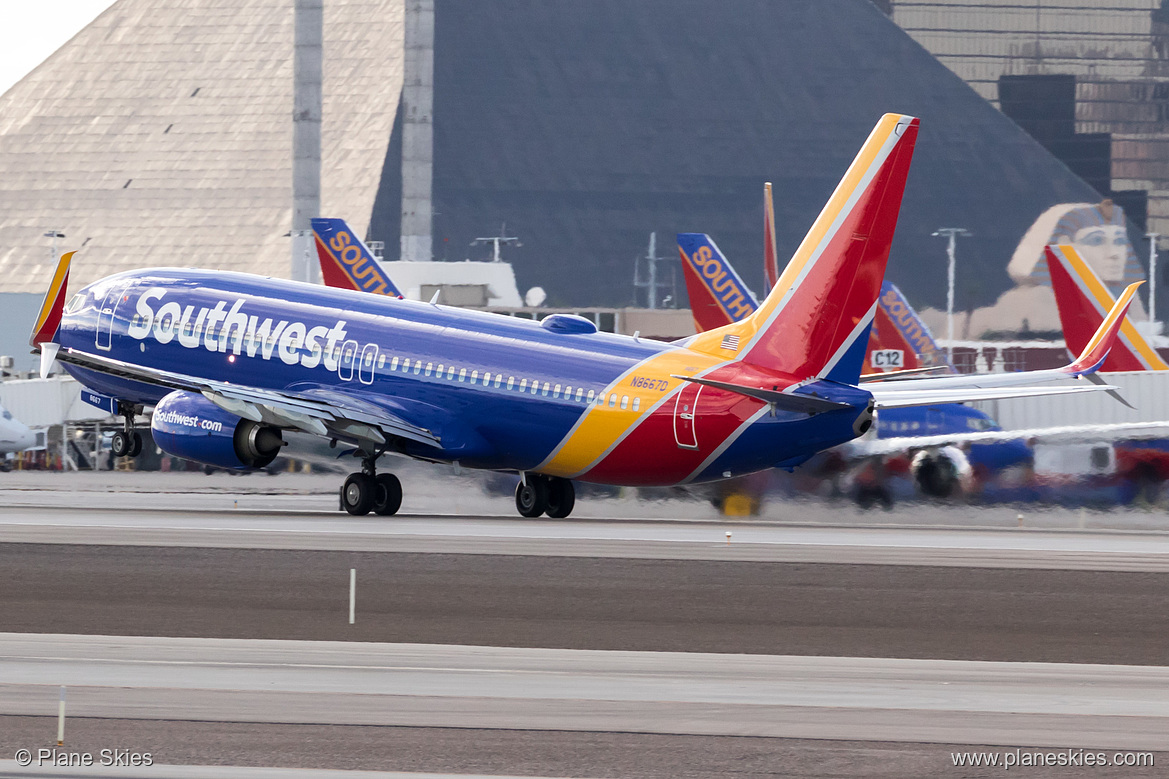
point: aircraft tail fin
(346, 262)
(1083, 301)
(48, 319)
(899, 331)
(717, 295)
(815, 322)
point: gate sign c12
(887, 359)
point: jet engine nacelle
(940, 473)
(190, 426)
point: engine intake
(190, 426)
(940, 473)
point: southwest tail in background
(1083, 301)
(717, 295)
(815, 322)
(346, 262)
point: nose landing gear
(369, 490)
(551, 495)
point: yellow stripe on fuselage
(710, 341)
(602, 426)
(1105, 301)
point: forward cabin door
(685, 408)
(105, 317)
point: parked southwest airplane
(232, 360)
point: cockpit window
(74, 303)
(7, 414)
(980, 423)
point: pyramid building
(161, 134)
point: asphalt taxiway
(1035, 704)
(612, 644)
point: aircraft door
(348, 358)
(105, 317)
(365, 367)
(685, 409)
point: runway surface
(1033, 704)
(10, 770)
(192, 526)
(642, 645)
(590, 603)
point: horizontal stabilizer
(787, 401)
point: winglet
(49, 318)
(1097, 349)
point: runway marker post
(352, 593)
(61, 718)
(728, 537)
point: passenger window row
(496, 380)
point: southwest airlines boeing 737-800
(230, 361)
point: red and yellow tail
(815, 322)
(1083, 301)
(49, 317)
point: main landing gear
(369, 491)
(551, 495)
(127, 442)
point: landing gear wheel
(387, 494)
(135, 444)
(121, 444)
(357, 495)
(561, 498)
(531, 499)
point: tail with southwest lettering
(815, 322)
(1083, 301)
(346, 262)
(717, 295)
(900, 340)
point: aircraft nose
(27, 439)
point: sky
(34, 29)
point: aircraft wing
(1122, 431)
(930, 397)
(331, 414)
(957, 389)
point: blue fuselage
(500, 392)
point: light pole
(951, 233)
(54, 234)
(1153, 282)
